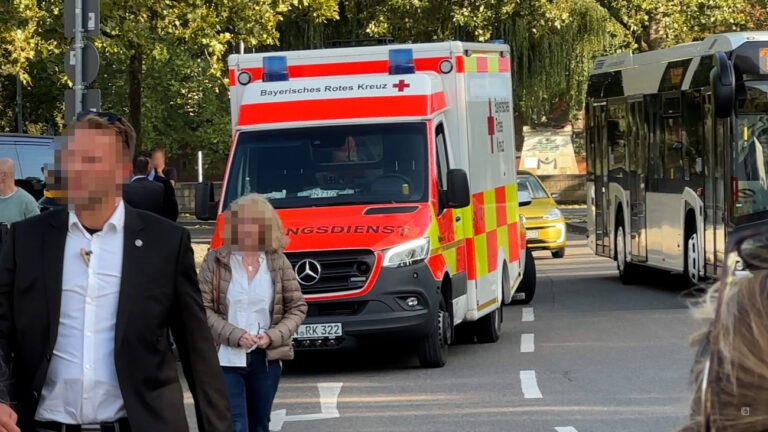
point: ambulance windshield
(332, 165)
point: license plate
(531, 234)
(318, 331)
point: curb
(575, 228)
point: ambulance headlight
(401, 61)
(553, 214)
(407, 254)
(275, 68)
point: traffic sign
(91, 102)
(90, 63)
(91, 18)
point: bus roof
(720, 42)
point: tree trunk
(135, 78)
(653, 33)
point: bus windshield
(331, 165)
(750, 154)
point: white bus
(677, 141)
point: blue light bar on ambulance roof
(401, 61)
(275, 68)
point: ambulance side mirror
(523, 198)
(458, 188)
(205, 204)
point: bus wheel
(692, 264)
(527, 288)
(488, 328)
(433, 348)
(627, 270)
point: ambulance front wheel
(433, 348)
(527, 288)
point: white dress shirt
(81, 386)
(250, 306)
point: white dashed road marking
(329, 396)
(529, 385)
(528, 314)
(566, 429)
(526, 342)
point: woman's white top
(250, 306)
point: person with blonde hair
(254, 305)
(730, 372)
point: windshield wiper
(351, 203)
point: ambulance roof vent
(401, 61)
(275, 68)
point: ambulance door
(450, 224)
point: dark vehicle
(30, 153)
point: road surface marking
(529, 385)
(528, 314)
(566, 429)
(526, 342)
(329, 397)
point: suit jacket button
(48, 356)
(35, 395)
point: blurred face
(95, 166)
(245, 228)
(158, 159)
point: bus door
(716, 142)
(638, 156)
(602, 212)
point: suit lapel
(131, 254)
(54, 241)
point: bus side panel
(492, 180)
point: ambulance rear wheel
(527, 288)
(433, 348)
(488, 328)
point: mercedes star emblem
(308, 271)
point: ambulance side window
(442, 163)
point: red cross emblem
(491, 123)
(401, 86)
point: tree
(655, 24)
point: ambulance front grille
(339, 271)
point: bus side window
(617, 144)
(673, 146)
(694, 138)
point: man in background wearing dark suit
(88, 294)
(142, 193)
(170, 205)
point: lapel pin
(86, 255)
(139, 243)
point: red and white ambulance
(393, 171)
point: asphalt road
(589, 354)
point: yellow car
(544, 223)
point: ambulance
(392, 168)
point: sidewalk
(575, 219)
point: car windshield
(332, 165)
(531, 185)
(750, 153)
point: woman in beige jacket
(254, 305)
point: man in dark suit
(87, 296)
(170, 205)
(142, 193)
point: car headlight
(407, 254)
(553, 214)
